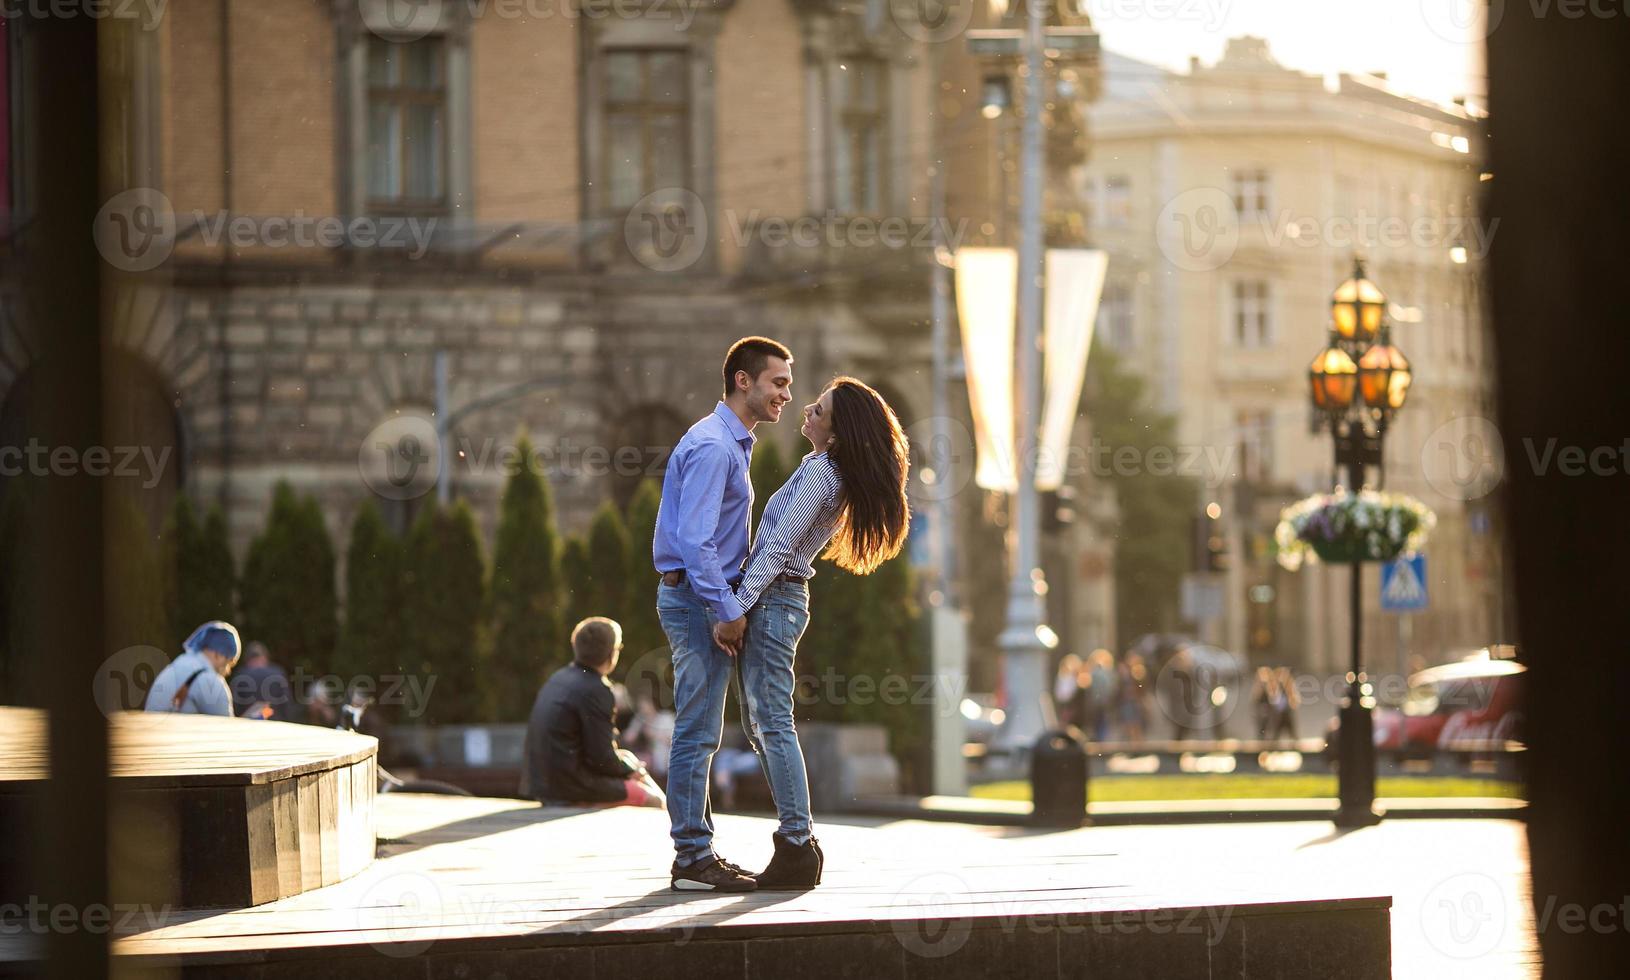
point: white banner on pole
(986, 291)
(1075, 281)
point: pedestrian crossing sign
(1403, 584)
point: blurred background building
(1286, 177)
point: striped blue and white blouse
(798, 522)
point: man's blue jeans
(774, 627)
(702, 672)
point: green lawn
(1212, 786)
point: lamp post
(1026, 641)
(1357, 383)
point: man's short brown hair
(595, 640)
(751, 354)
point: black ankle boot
(794, 867)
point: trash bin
(1058, 781)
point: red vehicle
(1469, 701)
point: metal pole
(1025, 653)
(1356, 781)
(950, 653)
(443, 470)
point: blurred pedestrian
(1262, 701)
(1100, 686)
(260, 688)
(1285, 703)
(195, 682)
(1066, 686)
(1132, 697)
(649, 736)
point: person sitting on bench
(571, 754)
(195, 682)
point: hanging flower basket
(1345, 527)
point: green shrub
(372, 635)
(287, 595)
(443, 600)
(642, 632)
(204, 577)
(526, 589)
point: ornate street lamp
(1356, 384)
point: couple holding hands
(734, 611)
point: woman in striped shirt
(847, 496)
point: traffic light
(1210, 545)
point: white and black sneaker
(712, 875)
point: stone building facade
(578, 206)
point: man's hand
(729, 635)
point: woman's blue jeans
(774, 627)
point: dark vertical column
(1557, 82)
(61, 296)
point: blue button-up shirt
(707, 504)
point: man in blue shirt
(699, 549)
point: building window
(407, 125)
(647, 114)
(1255, 445)
(1116, 206)
(1115, 317)
(1252, 322)
(1252, 193)
(858, 169)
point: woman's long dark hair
(872, 455)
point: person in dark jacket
(571, 753)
